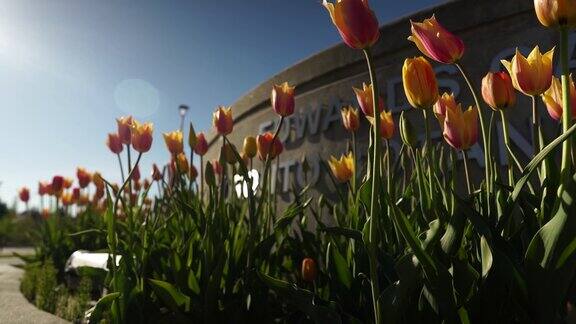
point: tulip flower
(350, 119)
(142, 136)
(76, 194)
(217, 167)
(135, 174)
(24, 194)
(84, 177)
(343, 169)
(355, 21)
(227, 151)
(124, 129)
(445, 102)
(192, 138)
(182, 163)
(57, 183)
(114, 143)
(552, 13)
(434, 41)
(67, 199)
(420, 83)
(44, 188)
(202, 146)
(250, 147)
(97, 180)
(267, 149)
(222, 120)
(497, 90)
(174, 142)
(309, 270)
(98, 194)
(282, 99)
(137, 185)
(461, 128)
(68, 183)
(532, 75)
(193, 173)
(553, 99)
(156, 173)
(364, 97)
(386, 124)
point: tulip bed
(404, 243)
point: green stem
(535, 127)
(121, 167)
(426, 150)
(566, 112)
(465, 158)
(355, 164)
(375, 188)
(508, 150)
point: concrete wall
(491, 30)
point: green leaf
(487, 259)
(171, 297)
(340, 265)
(346, 232)
(193, 282)
(102, 306)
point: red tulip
(309, 270)
(124, 129)
(24, 194)
(114, 143)
(434, 41)
(283, 99)
(202, 146)
(355, 22)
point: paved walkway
(14, 308)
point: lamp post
(182, 110)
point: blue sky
(68, 68)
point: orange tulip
(193, 173)
(364, 97)
(124, 129)
(182, 163)
(24, 194)
(350, 119)
(267, 149)
(553, 13)
(84, 177)
(532, 75)
(309, 270)
(68, 183)
(174, 142)
(343, 169)
(114, 143)
(461, 128)
(222, 120)
(355, 22)
(497, 90)
(553, 99)
(250, 147)
(420, 83)
(444, 103)
(97, 180)
(202, 146)
(434, 41)
(67, 199)
(98, 194)
(282, 99)
(142, 136)
(386, 124)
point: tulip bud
(156, 173)
(124, 129)
(84, 177)
(266, 148)
(532, 75)
(497, 90)
(98, 194)
(57, 184)
(420, 83)
(193, 174)
(364, 97)
(97, 180)
(343, 169)
(553, 99)
(350, 119)
(434, 41)
(309, 270)
(461, 128)
(202, 146)
(217, 167)
(222, 120)
(142, 136)
(24, 194)
(552, 13)
(250, 147)
(114, 143)
(355, 22)
(146, 184)
(135, 174)
(174, 142)
(192, 138)
(209, 174)
(386, 124)
(282, 99)
(407, 133)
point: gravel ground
(14, 308)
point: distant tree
(3, 209)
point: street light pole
(182, 110)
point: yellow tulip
(532, 75)
(420, 83)
(342, 169)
